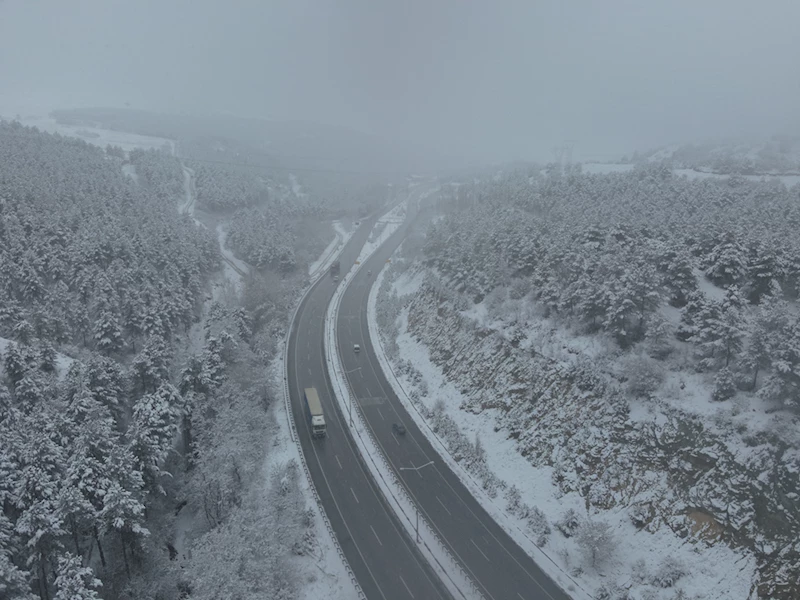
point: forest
(607, 250)
(124, 385)
(637, 335)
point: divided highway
(499, 567)
(384, 559)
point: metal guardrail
(296, 440)
(331, 347)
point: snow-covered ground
(714, 572)
(787, 180)
(94, 135)
(329, 254)
(297, 189)
(605, 168)
(384, 228)
(130, 171)
(63, 363)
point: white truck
(316, 418)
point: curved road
(500, 568)
(384, 559)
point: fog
(479, 80)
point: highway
(498, 566)
(384, 559)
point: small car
(399, 428)
(336, 278)
(356, 348)
(369, 273)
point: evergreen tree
(155, 418)
(770, 318)
(783, 383)
(108, 333)
(724, 385)
(14, 582)
(74, 581)
(151, 365)
(14, 365)
(762, 270)
(727, 262)
(679, 278)
(690, 316)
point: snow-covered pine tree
(724, 385)
(74, 581)
(727, 262)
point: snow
(63, 362)
(329, 254)
(709, 289)
(235, 269)
(188, 186)
(98, 136)
(297, 189)
(720, 574)
(787, 180)
(130, 171)
(605, 168)
(383, 229)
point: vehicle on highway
(336, 278)
(399, 428)
(335, 267)
(316, 418)
(369, 273)
(356, 348)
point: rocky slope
(666, 468)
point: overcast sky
(489, 79)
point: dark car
(399, 428)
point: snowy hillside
(636, 344)
(144, 460)
(780, 154)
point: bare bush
(596, 540)
(569, 523)
(644, 375)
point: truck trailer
(314, 412)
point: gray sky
(487, 79)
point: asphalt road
(384, 559)
(500, 568)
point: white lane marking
(380, 414)
(368, 392)
(338, 461)
(376, 535)
(406, 586)
(479, 550)
(520, 595)
(354, 496)
(443, 506)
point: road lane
(383, 558)
(499, 567)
